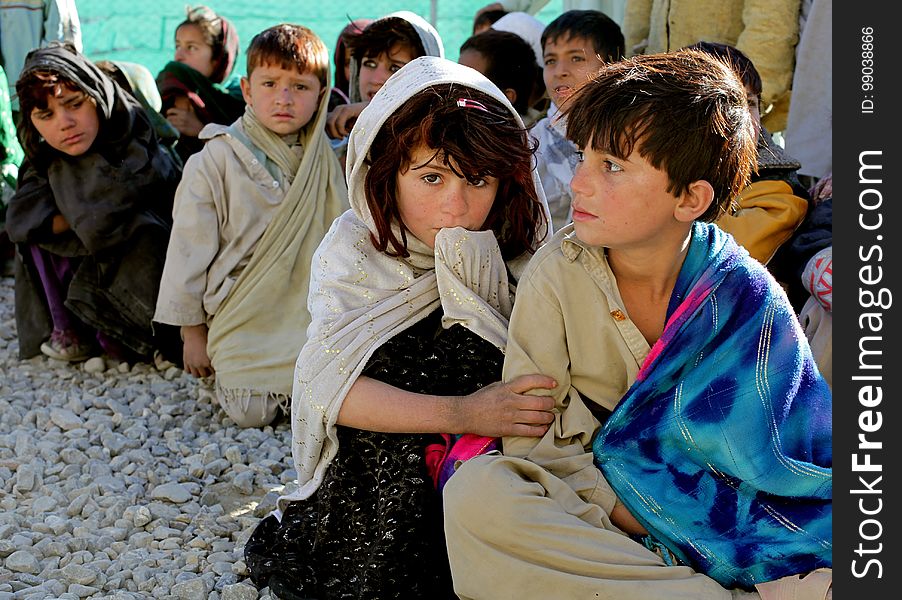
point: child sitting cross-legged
(251, 208)
(690, 455)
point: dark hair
(381, 35)
(738, 61)
(487, 18)
(593, 25)
(685, 112)
(34, 89)
(218, 33)
(481, 143)
(511, 63)
(290, 47)
(342, 47)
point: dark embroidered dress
(377, 511)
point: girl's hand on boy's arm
(496, 410)
(194, 353)
(342, 118)
(505, 409)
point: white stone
(95, 365)
(65, 419)
(79, 574)
(193, 589)
(23, 561)
(173, 492)
(142, 516)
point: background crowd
(267, 228)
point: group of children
(645, 420)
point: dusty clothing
(116, 198)
(596, 355)
(352, 315)
(259, 208)
(556, 160)
(214, 233)
(434, 321)
(764, 30)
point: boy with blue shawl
(690, 456)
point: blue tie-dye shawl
(721, 448)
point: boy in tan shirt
(690, 455)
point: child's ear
(511, 95)
(694, 201)
(246, 89)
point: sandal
(816, 585)
(66, 346)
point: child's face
(621, 203)
(568, 63)
(192, 50)
(431, 197)
(283, 100)
(375, 70)
(70, 123)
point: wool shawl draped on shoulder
(260, 326)
(722, 446)
(361, 297)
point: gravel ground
(124, 481)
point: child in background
(773, 205)
(91, 216)
(508, 61)
(341, 58)
(484, 20)
(691, 447)
(195, 88)
(386, 45)
(575, 45)
(250, 210)
(410, 295)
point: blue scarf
(722, 446)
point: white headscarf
(429, 37)
(361, 297)
(527, 27)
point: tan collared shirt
(569, 322)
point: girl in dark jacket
(92, 213)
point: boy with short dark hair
(691, 447)
(250, 210)
(575, 45)
(508, 61)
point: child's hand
(59, 224)
(625, 521)
(342, 118)
(504, 409)
(182, 117)
(194, 353)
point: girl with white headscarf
(410, 296)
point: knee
(478, 494)
(249, 412)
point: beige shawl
(260, 326)
(360, 297)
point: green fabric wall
(144, 31)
